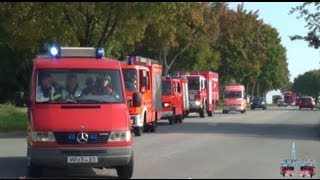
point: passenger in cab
(72, 90)
(89, 89)
(45, 90)
(103, 86)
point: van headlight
(166, 104)
(117, 136)
(42, 136)
(197, 103)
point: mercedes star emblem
(82, 137)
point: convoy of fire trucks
(95, 126)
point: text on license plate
(82, 159)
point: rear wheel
(126, 171)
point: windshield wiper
(71, 101)
(91, 101)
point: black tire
(210, 113)
(146, 127)
(171, 120)
(153, 127)
(126, 171)
(34, 171)
(201, 113)
(180, 118)
(138, 131)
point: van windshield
(79, 86)
(130, 79)
(232, 94)
(193, 84)
(166, 89)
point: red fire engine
(175, 98)
(290, 98)
(88, 127)
(203, 91)
(142, 78)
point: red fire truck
(175, 98)
(142, 78)
(203, 91)
(78, 114)
(290, 98)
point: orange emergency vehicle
(175, 98)
(234, 98)
(78, 114)
(203, 91)
(143, 79)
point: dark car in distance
(258, 102)
(306, 102)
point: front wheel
(138, 131)
(126, 171)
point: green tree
(310, 12)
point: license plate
(82, 159)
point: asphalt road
(233, 145)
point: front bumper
(195, 107)
(233, 108)
(258, 106)
(166, 114)
(56, 157)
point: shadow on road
(276, 131)
(12, 167)
(15, 168)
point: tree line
(180, 35)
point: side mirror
(137, 99)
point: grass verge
(12, 118)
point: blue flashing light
(168, 76)
(71, 136)
(99, 53)
(178, 74)
(198, 73)
(55, 51)
(94, 136)
(130, 60)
